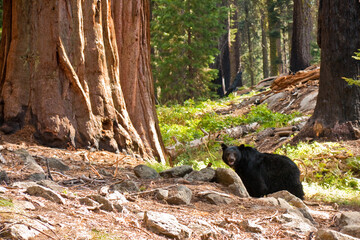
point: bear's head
(231, 154)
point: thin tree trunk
(280, 62)
(60, 74)
(264, 47)
(302, 27)
(250, 48)
(235, 64)
(223, 59)
(274, 34)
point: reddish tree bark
(133, 40)
(60, 72)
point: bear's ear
(242, 146)
(223, 146)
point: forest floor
(91, 171)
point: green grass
(330, 172)
(332, 194)
(185, 122)
(102, 235)
(5, 203)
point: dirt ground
(75, 221)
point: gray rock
(83, 235)
(52, 185)
(274, 100)
(4, 177)
(145, 172)
(162, 194)
(265, 133)
(216, 197)
(104, 190)
(205, 175)
(2, 189)
(293, 202)
(120, 208)
(204, 230)
(309, 102)
(270, 200)
(179, 171)
(36, 177)
(23, 228)
(348, 218)
(290, 198)
(106, 205)
(2, 159)
(327, 234)
(166, 224)
(239, 190)
(18, 231)
(229, 178)
(46, 193)
(125, 186)
(117, 197)
(24, 185)
(88, 202)
(250, 226)
(293, 221)
(179, 195)
(352, 230)
(57, 164)
(104, 172)
(25, 205)
(29, 161)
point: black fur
(263, 173)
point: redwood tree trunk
(133, 40)
(302, 27)
(337, 112)
(60, 73)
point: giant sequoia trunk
(60, 72)
(337, 112)
(132, 27)
(302, 27)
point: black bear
(263, 173)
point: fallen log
(234, 132)
(301, 77)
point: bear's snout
(231, 158)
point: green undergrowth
(6, 203)
(186, 122)
(102, 235)
(332, 194)
(330, 172)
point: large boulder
(179, 195)
(229, 178)
(205, 175)
(179, 171)
(145, 172)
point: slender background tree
(301, 36)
